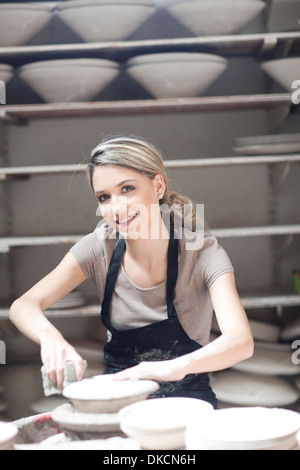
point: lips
(124, 222)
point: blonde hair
(142, 156)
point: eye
(102, 198)
(127, 188)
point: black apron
(157, 341)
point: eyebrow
(117, 185)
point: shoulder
(97, 245)
(202, 252)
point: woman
(157, 296)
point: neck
(152, 250)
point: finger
(60, 374)
(51, 370)
(79, 367)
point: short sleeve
(214, 260)
(84, 253)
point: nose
(118, 206)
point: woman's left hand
(161, 371)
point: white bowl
(269, 362)
(247, 389)
(217, 17)
(176, 75)
(6, 72)
(160, 423)
(68, 80)
(283, 71)
(8, 434)
(245, 429)
(102, 394)
(268, 144)
(104, 20)
(19, 22)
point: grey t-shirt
(133, 306)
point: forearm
(28, 316)
(222, 353)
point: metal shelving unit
(261, 46)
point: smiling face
(128, 199)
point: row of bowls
(163, 75)
(112, 20)
(270, 377)
(179, 422)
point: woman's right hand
(55, 351)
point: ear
(160, 185)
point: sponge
(69, 377)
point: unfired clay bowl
(104, 20)
(283, 71)
(253, 428)
(101, 394)
(217, 17)
(176, 75)
(19, 22)
(69, 80)
(6, 72)
(160, 423)
(244, 389)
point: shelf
(8, 243)
(261, 45)
(26, 112)
(253, 302)
(7, 173)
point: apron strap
(113, 271)
(111, 279)
(172, 273)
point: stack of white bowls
(253, 428)
(69, 80)
(74, 299)
(176, 74)
(265, 379)
(215, 17)
(20, 22)
(8, 434)
(268, 144)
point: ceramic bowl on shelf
(6, 72)
(267, 144)
(284, 71)
(20, 22)
(101, 394)
(269, 362)
(253, 428)
(160, 423)
(69, 80)
(248, 389)
(104, 20)
(218, 17)
(176, 75)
